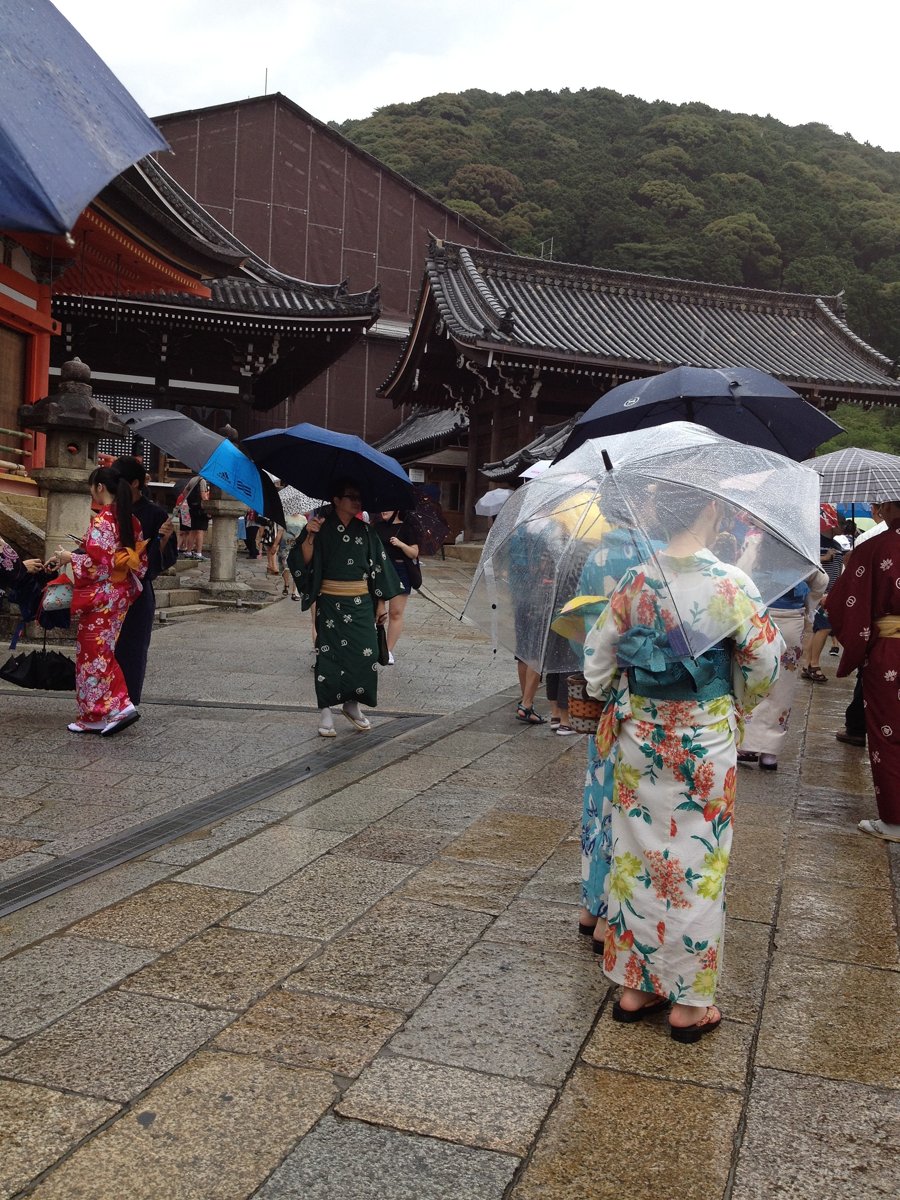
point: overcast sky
(799, 61)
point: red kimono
(107, 579)
(868, 593)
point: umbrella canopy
(296, 503)
(740, 403)
(315, 460)
(211, 455)
(491, 502)
(616, 503)
(857, 475)
(67, 126)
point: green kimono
(346, 641)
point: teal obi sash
(654, 675)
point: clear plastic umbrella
(491, 502)
(621, 502)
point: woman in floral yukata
(671, 722)
(107, 568)
(341, 566)
(618, 551)
(864, 607)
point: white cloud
(825, 62)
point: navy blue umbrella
(740, 403)
(67, 126)
(315, 460)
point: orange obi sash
(126, 560)
(888, 627)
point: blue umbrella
(315, 460)
(67, 126)
(740, 403)
(851, 511)
(211, 455)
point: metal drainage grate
(31, 886)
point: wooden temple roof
(545, 446)
(239, 290)
(504, 310)
(424, 429)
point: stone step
(464, 551)
(32, 507)
(167, 616)
(174, 597)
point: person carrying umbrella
(673, 719)
(340, 565)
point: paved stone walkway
(370, 984)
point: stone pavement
(357, 973)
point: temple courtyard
(238, 960)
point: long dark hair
(120, 489)
(131, 470)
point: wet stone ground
(370, 983)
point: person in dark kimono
(13, 569)
(341, 566)
(864, 607)
(162, 552)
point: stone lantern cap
(72, 407)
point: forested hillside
(678, 190)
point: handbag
(384, 655)
(57, 594)
(584, 711)
(414, 568)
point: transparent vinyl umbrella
(617, 503)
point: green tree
(741, 249)
(494, 188)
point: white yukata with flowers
(675, 766)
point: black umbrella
(211, 455)
(67, 126)
(740, 403)
(40, 670)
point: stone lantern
(73, 422)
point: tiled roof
(422, 426)
(546, 445)
(240, 281)
(514, 310)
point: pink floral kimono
(107, 578)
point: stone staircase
(176, 597)
(22, 522)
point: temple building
(304, 198)
(523, 345)
(223, 353)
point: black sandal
(529, 716)
(814, 675)
(628, 1016)
(693, 1033)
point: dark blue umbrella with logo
(67, 126)
(740, 403)
(315, 460)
